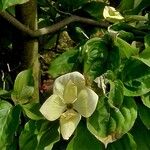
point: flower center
(69, 106)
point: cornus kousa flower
(71, 99)
(111, 14)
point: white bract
(111, 14)
(70, 99)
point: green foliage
(35, 135)
(95, 53)
(117, 56)
(64, 63)
(7, 3)
(9, 122)
(84, 140)
(109, 124)
(23, 87)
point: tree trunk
(26, 47)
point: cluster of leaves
(122, 71)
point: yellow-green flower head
(111, 14)
(71, 99)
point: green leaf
(113, 60)
(32, 111)
(84, 140)
(8, 3)
(97, 12)
(23, 87)
(146, 99)
(39, 135)
(144, 56)
(9, 121)
(64, 63)
(115, 97)
(144, 115)
(95, 54)
(71, 4)
(125, 143)
(126, 50)
(141, 136)
(136, 78)
(108, 125)
(126, 5)
(147, 41)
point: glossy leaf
(84, 140)
(8, 3)
(64, 63)
(95, 54)
(136, 78)
(125, 143)
(38, 135)
(23, 87)
(108, 125)
(9, 121)
(126, 50)
(116, 93)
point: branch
(53, 28)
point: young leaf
(64, 63)
(23, 87)
(84, 140)
(108, 125)
(9, 121)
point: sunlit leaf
(108, 125)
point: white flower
(70, 99)
(111, 14)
